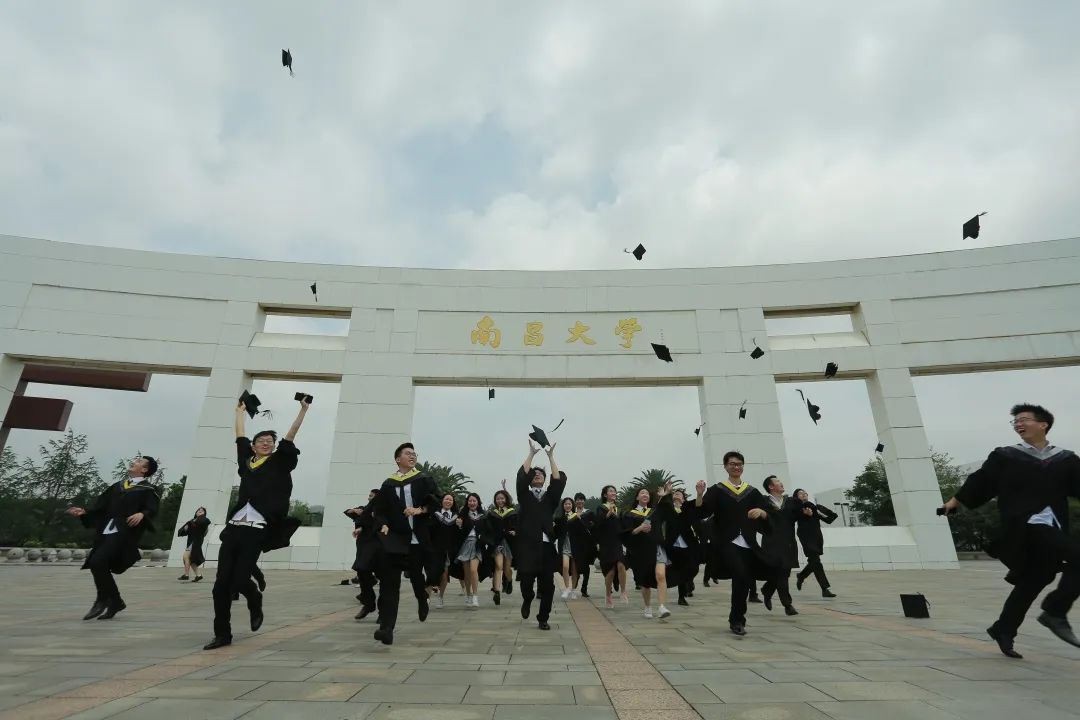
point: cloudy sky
(549, 135)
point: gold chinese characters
(486, 333)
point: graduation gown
(117, 503)
(1024, 484)
(195, 531)
(607, 529)
(268, 488)
(483, 544)
(728, 510)
(501, 524)
(582, 544)
(780, 544)
(367, 544)
(809, 529)
(683, 522)
(641, 547)
(444, 537)
(389, 510)
(535, 518)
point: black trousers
(367, 587)
(583, 573)
(1048, 547)
(237, 558)
(418, 559)
(813, 566)
(100, 565)
(545, 582)
(736, 560)
(684, 568)
(781, 585)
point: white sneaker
(664, 612)
(565, 594)
(476, 601)
(648, 613)
(575, 595)
(468, 601)
(439, 602)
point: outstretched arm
(291, 435)
(533, 449)
(551, 462)
(240, 420)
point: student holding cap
(535, 554)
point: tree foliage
(446, 480)
(651, 479)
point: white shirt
(1045, 516)
(110, 529)
(539, 493)
(739, 539)
(249, 514)
(679, 542)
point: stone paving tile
(763, 711)
(694, 694)
(531, 677)
(1003, 709)
(703, 677)
(520, 695)
(364, 674)
(403, 693)
(883, 710)
(645, 699)
(591, 695)
(404, 711)
(267, 674)
(544, 712)
(204, 689)
(771, 693)
(873, 690)
(810, 674)
(456, 677)
(110, 709)
(285, 690)
(310, 711)
(177, 709)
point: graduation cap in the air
(971, 227)
(811, 408)
(540, 437)
(662, 352)
(251, 405)
(831, 369)
(491, 393)
(742, 410)
(315, 291)
(756, 352)
(303, 396)
(697, 430)
(286, 60)
(638, 252)
(880, 447)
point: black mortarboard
(638, 252)
(315, 291)
(697, 430)
(303, 396)
(831, 369)
(757, 352)
(742, 410)
(662, 352)
(251, 404)
(286, 60)
(915, 606)
(880, 447)
(491, 393)
(971, 227)
(811, 408)
(538, 435)
(942, 511)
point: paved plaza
(852, 658)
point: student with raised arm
(535, 554)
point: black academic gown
(195, 531)
(268, 488)
(780, 544)
(443, 532)
(809, 529)
(728, 510)
(641, 547)
(367, 544)
(582, 544)
(606, 527)
(501, 524)
(535, 516)
(683, 522)
(389, 510)
(118, 502)
(1023, 485)
(483, 544)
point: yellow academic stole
(254, 463)
(641, 513)
(571, 516)
(502, 513)
(737, 490)
(402, 478)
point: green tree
(869, 496)
(446, 480)
(651, 479)
(63, 476)
(168, 511)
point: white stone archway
(1003, 307)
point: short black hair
(768, 482)
(259, 434)
(541, 470)
(680, 491)
(733, 453)
(151, 466)
(402, 447)
(580, 496)
(1041, 414)
(509, 500)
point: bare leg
(474, 576)
(622, 584)
(608, 577)
(661, 583)
(496, 577)
(566, 572)
(187, 562)
(646, 596)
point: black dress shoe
(508, 586)
(96, 609)
(256, 619)
(182, 577)
(197, 578)
(543, 625)
(110, 612)
(738, 629)
(789, 610)
(261, 582)
(364, 612)
(385, 636)
(753, 599)
(1059, 626)
(496, 597)
(422, 610)
(1004, 643)
(827, 593)
(767, 602)
(584, 593)
(526, 609)
(798, 582)
(682, 601)
(218, 642)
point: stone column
(374, 416)
(10, 381)
(912, 480)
